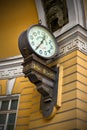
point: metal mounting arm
(46, 80)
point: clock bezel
(55, 42)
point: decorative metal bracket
(46, 80)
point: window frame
(9, 111)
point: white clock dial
(42, 41)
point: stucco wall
(15, 17)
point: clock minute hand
(40, 43)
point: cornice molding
(11, 67)
(74, 39)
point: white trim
(40, 10)
(8, 97)
(10, 85)
(17, 60)
(17, 111)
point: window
(8, 110)
(67, 15)
(56, 13)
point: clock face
(42, 41)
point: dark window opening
(56, 13)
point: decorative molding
(11, 72)
(11, 67)
(75, 38)
(72, 45)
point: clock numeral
(38, 32)
(50, 41)
(51, 47)
(49, 51)
(45, 53)
(42, 33)
(40, 51)
(46, 36)
(34, 33)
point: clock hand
(40, 43)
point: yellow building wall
(73, 111)
(15, 17)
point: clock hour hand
(40, 43)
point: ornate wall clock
(38, 44)
(39, 40)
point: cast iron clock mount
(37, 45)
